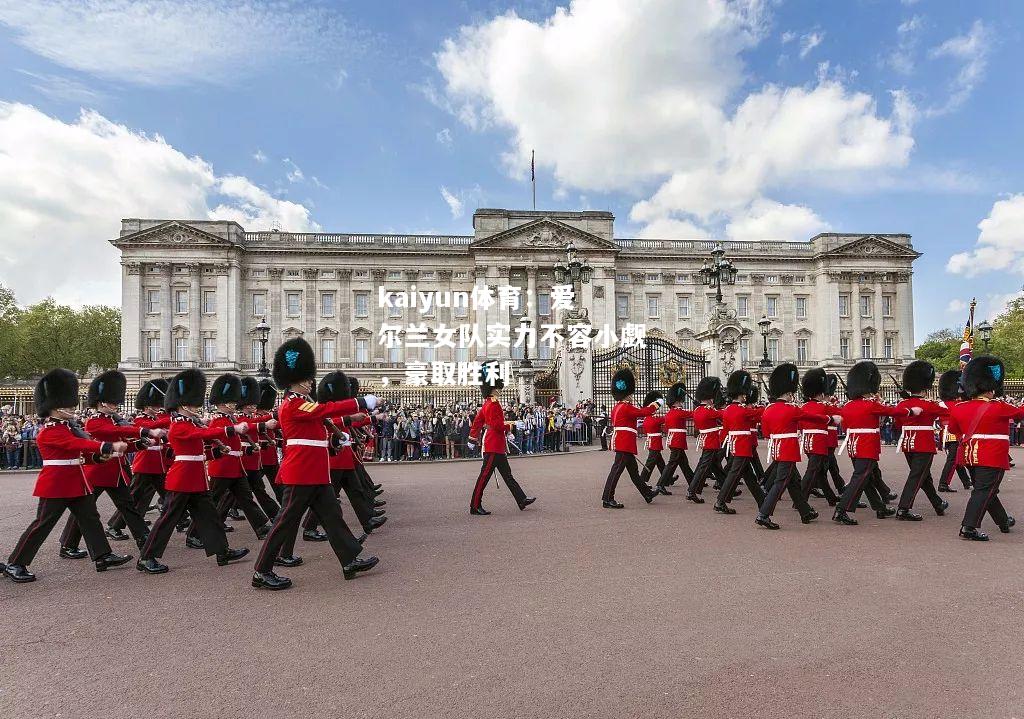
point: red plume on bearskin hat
(918, 376)
(863, 379)
(58, 389)
(108, 387)
(984, 373)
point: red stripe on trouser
(485, 473)
(858, 487)
(266, 542)
(984, 507)
(32, 529)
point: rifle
(899, 386)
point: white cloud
(956, 306)
(169, 42)
(788, 37)
(1000, 244)
(971, 51)
(810, 41)
(454, 203)
(908, 34)
(61, 88)
(669, 229)
(64, 188)
(668, 111)
(769, 220)
(259, 156)
(294, 173)
(444, 137)
(996, 304)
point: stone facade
(193, 291)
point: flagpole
(533, 176)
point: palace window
(622, 306)
(544, 304)
(653, 277)
(682, 279)
(327, 304)
(259, 304)
(393, 309)
(887, 348)
(744, 352)
(801, 308)
(153, 301)
(742, 306)
(653, 306)
(844, 347)
(844, 305)
(771, 306)
(684, 305)
(180, 349)
(394, 354)
(293, 273)
(209, 349)
(865, 305)
(461, 275)
(362, 350)
(865, 347)
(773, 350)
(394, 274)
(801, 350)
(209, 302)
(362, 304)
(622, 277)
(181, 302)
(327, 274)
(293, 303)
(427, 354)
(153, 349)
(544, 350)
(887, 305)
(256, 351)
(462, 354)
(460, 310)
(327, 350)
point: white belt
(234, 453)
(774, 440)
(189, 458)
(624, 429)
(154, 448)
(851, 432)
(1004, 437)
(815, 431)
(786, 435)
(673, 431)
(308, 442)
(740, 433)
(63, 462)
(914, 428)
(710, 430)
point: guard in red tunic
(187, 485)
(780, 423)
(950, 394)
(833, 433)
(270, 439)
(707, 420)
(105, 396)
(982, 423)
(861, 416)
(815, 432)
(737, 421)
(61, 484)
(252, 453)
(150, 465)
(675, 429)
(359, 438)
(653, 427)
(754, 400)
(490, 420)
(305, 470)
(624, 418)
(917, 440)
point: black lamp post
(525, 322)
(574, 269)
(765, 326)
(985, 330)
(720, 272)
(263, 334)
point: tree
(9, 316)
(1008, 337)
(942, 349)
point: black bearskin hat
(107, 387)
(294, 362)
(739, 383)
(984, 373)
(676, 393)
(353, 386)
(918, 376)
(863, 379)
(814, 383)
(489, 383)
(187, 388)
(708, 388)
(784, 379)
(58, 389)
(623, 383)
(226, 389)
(949, 385)
(832, 384)
(754, 394)
(333, 387)
(653, 396)
(151, 394)
(268, 395)
(251, 392)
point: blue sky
(684, 118)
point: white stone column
(480, 272)
(195, 307)
(531, 309)
(273, 309)
(223, 315)
(234, 313)
(905, 313)
(166, 312)
(131, 313)
(858, 322)
(343, 310)
(377, 316)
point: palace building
(194, 291)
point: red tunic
(115, 470)
(652, 428)
(675, 426)
(781, 423)
(624, 417)
(306, 457)
(948, 404)
(152, 460)
(229, 465)
(816, 429)
(491, 419)
(64, 454)
(708, 422)
(918, 433)
(983, 426)
(833, 431)
(860, 418)
(187, 438)
(737, 421)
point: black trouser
(297, 499)
(676, 458)
(757, 467)
(833, 470)
(496, 461)
(122, 499)
(260, 493)
(920, 477)
(623, 461)
(206, 522)
(719, 467)
(225, 489)
(866, 478)
(740, 467)
(144, 486)
(604, 441)
(952, 449)
(270, 471)
(816, 475)
(348, 480)
(48, 514)
(654, 459)
(781, 476)
(707, 466)
(985, 497)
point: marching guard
(252, 459)
(737, 422)
(624, 418)
(833, 433)
(675, 428)
(269, 438)
(653, 427)
(917, 440)
(950, 394)
(707, 419)
(815, 432)
(62, 484)
(982, 422)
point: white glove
(661, 402)
(370, 401)
(346, 439)
(472, 446)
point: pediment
(172, 233)
(544, 234)
(871, 246)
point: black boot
(722, 509)
(110, 559)
(359, 565)
(842, 517)
(809, 517)
(118, 535)
(1005, 527)
(379, 502)
(765, 522)
(946, 488)
(269, 580)
(19, 573)
(374, 523)
(941, 509)
(885, 513)
(73, 553)
(973, 534)
(313, 535)
(479, 511)
(662, 490)
(263, 531)
(695, 498)
(527, 501)
(231, 555)
(379, 513)
(906, 515)
(611, 504)
(292, 561)
(194, 543)
(151, 566)
(234, 515)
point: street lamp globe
(985, 332)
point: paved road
(565, 610)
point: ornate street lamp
(573, 270)
(525, 323)
(765, 325)
(263, 334)
(720, 272)
(985, 330)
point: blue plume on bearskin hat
(186, 389)
(226, 389)
(294, 362)
(784, 379)
(814, 383)
(623, 383)
(863, 379)
(984, 373)
(918, 376)
(676, 393)
(108, 387)
(739, 383)
(151, 393)
(333, 387)
(58, 389)
(251, 392)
